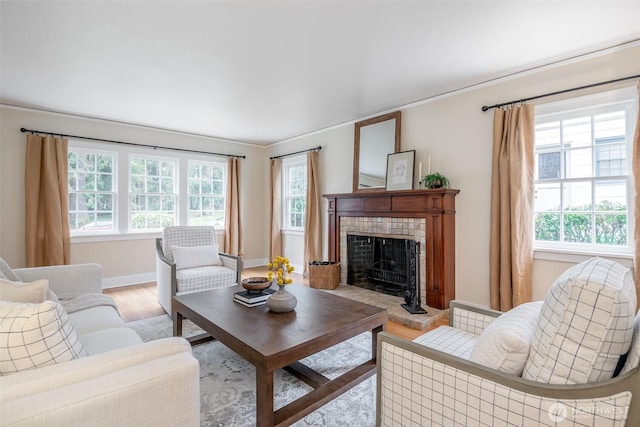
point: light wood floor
(139, 302)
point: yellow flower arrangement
(279, 268)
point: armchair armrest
(233, 262)
(470, 317)
(64, 279)
(448, 390)
(154, 383)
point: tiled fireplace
(427, 216)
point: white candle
(420, 171)
(429, 166)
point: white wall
(458, 136)
(122, 259)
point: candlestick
(420, 171)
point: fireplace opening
(378, 264)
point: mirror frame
(397, 115)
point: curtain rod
(485, 108)
(23, 130)
(318, 148)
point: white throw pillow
(504, 344)
(33, 335)
(34, 292)
(195, 256)
(585, 325)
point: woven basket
(324, 275)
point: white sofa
(121, 381)
(546, 363)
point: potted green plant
(435, 180)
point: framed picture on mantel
(400, 170)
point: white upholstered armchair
(187, 260)
(546, 363)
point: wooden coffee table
(272, 341)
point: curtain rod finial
(485, 108)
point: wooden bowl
(256, 283)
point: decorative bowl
(256, 283)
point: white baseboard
(133, 279)
(136, 279)
(259, 262)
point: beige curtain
(275, 247)
(636, 199)
(47, 237)
(511, 242)
(232, 223)
(312, 225)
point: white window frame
(575, 107)
(123, 154)
(176, 191)
(221, 164)
(288, 164)
(81, 150)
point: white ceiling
(262, 72)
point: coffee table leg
(264, 399)
(177, 324)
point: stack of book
(252, 298)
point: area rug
(228, 387)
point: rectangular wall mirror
(374, 139)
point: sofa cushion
(33, 335)
(109, 339)
(204, 278)
(504, 344)
(585, 325)
(95, 319)
(33, 292)
(195, 256)
(453, 341)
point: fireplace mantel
(436, 206)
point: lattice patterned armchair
(570, 360)
(188, 260)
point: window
(295, 192)
(582, 173)
(92, 186)
(206, 193)
(152, 193)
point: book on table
(250, 304)
(252, 297)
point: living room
(450, 129)
(447, 130)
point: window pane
(611, 229)
(577, 132)
(577, 196)
(548, 166)
(548, 135)
(91, 191)
(577, 227)
(547, 197)
(547, 227)
(578, 163)
(207, 188)
(611, 195)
